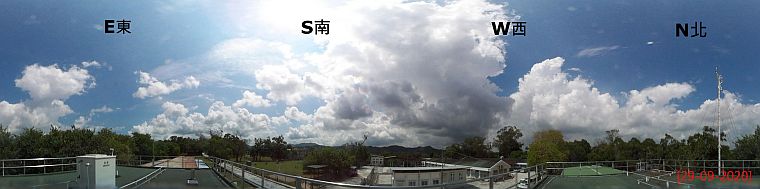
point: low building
(424, 176)
(478, 168)
(376, 160)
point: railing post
(528, 177)
(490, 183)
(298, 183)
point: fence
(711, 165)
(555, 168)
(37, 166)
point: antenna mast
(720, 90)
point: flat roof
(404, 169)
(170, 178)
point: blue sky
(234, 47)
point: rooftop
(174, 175)
(426, 168)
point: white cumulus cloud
(548, 98)
(151, 86)
(177, 120)
(418, 75)
(48, 86)
(252, 99)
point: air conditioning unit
(96, 171)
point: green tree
(143, 144)
(475, 147)
(338, 160)
(748, 147)
(651, 149)
(506, 140)
(7, 141)
(577, 150)
(31, 144)
(453, 151)
(359, 151)
(633, 149)
(257, 150)
(546, 146)
(704, 145)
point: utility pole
(720, 89)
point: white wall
(404, 179)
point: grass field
(294, 167)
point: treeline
(339, 160)
(506, 143)
(33, 143)
(549, 145)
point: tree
(31, 144)
(633, 149)
(453, 151)
(278, 148)
(671, 148)
(475, 147)
(578, 150)
(359, 151)
(546, 146)
(748, 147)
(338, 160)
(650, 149)
(7, 147)
(143, 144)
(121, 144)
(257, 150)
(506, 140)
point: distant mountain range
(393, 149)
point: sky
(410, 73)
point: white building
(376, 160)
(424, 176)
(477, 168)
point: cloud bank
(548, 98)
(48, 87)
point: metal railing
(37, 166)
(263, 177)
(137, 183)
(667, 166)
(710, 165)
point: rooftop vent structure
(96, 171)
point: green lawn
(294, 167)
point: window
(451, 176)
(412, 183)
(461, 177)
(400, 183)
(435, 182)
(424, 183)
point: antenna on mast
(720, 90)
